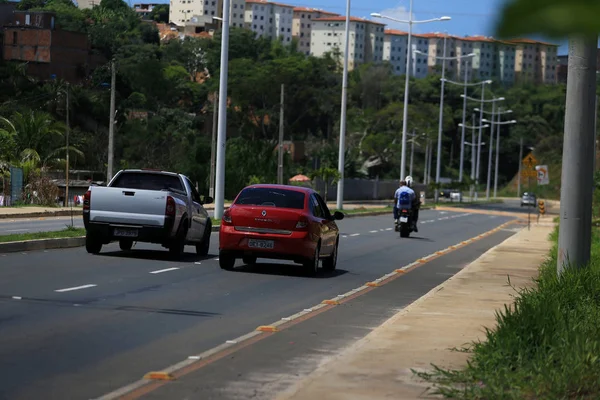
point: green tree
(160, 13)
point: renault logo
(264, 213)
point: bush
(40, 190)
(546, 346)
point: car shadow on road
(291, 270)
(157, 255)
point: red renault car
(279, 222)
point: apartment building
(302, 25)
(420, 67)
(200, 12)
(437, 42)
(270, 20)
(394, 50)
(366, 39)
(535, 61)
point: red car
(279, 222)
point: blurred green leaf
(552, 18)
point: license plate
(403, 219)
(261, 244)
(121, 232)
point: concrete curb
(42, 244)
(49, 214)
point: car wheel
(226, 262)
(203, 247)
(312, 266)
(177, 248)
(330, 262)
(92, 244)
(249, 260)
(125, 244)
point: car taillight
(302, 223)
(226, 217)
(170, 208)
(404, 210)
(87, 198)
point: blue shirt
(404, 200)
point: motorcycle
(405, 223)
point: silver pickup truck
(147, 206)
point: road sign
(529, 173)
(529, 161)
(542, 174)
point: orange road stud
(267, 328)
(159, 376)
(331, 302)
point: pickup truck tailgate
(127, 206)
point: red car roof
(285, 187)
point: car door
(319, 214)
(199, 218)
(332, 228)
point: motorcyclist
(404, 188)
(416, 203)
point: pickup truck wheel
(226, 262)
(125, 244)
(177, 247)
(203, 247)
(92, 244)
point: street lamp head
(462, 95)
(488, 82)
(476, 109)
(486, 125)
(445, 18)
(508, 111)
(471, 55)
(375, 15)
(501, 99)
(461, 125)
(484, 120)
(514, 121)
(218, 18)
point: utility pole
(497, 157)
(111, 124)
(491, 153)
(425, 172)
(342, 150)
(280, 158)
(67, 157)
(222, 126)
(473, 152)
(440, 127)
(412, 153)
(575, 233)
(213, 143)
(430, 161)
(479, 141)
(520, 164)
(462, 134)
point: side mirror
(207, 199)
(338, 215)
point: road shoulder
(451, 315)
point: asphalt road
(76, 326)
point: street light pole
(498, 123)
(440, 126)
(342, 150)
(412, 153)
(213, 141)
(222, 128)
(462, 135)
(520, 163)
(491, 148)
(111, 123)
(280, 154)
(410, 23)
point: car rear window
(279, 198)
(148, 181)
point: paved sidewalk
(451, 315)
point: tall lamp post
(410, 23)
(342, 150)
(473, 144)
(498, 123)
(482, 101)
(222, 124)
(464, 116)
(441, 117)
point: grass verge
(65, 233)
(546, 346)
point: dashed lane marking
(70, 289)
(160, 271)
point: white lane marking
(373, 231)
(442, 219)
(197, 263)
(443, 212)
(344, 236)
(388, 229)
(160, 271)
(75, 288)
(355, 234)
(17, 297)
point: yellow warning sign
(530, 161)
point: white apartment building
(394, 50)
(302, 25)
(270, 20)
(419, 64)
(505, 59)
(535, 61)
(366, 39)
(182, 12)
